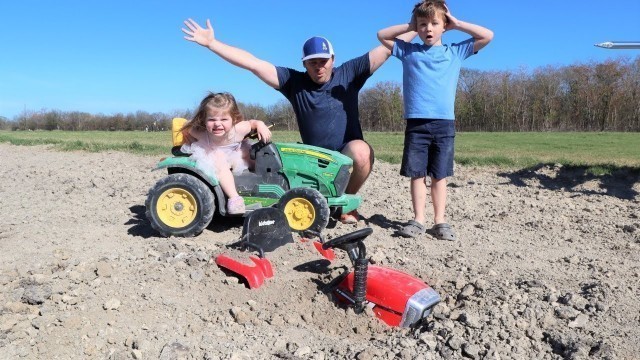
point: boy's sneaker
(351, 217)
(235, 205)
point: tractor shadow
(376, 219)
(221, 223)
(616, 181)
(322, 268)
(317, 267)
(141, 227)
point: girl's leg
(419, 198)
(439, 199)
(227, 183)
(235, 203)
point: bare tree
(583, 97)
(381, 107)
(283, 115)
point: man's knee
(360, 152)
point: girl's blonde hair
(430, 9)
(220, 101)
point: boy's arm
(481, 34)
(238, 57)
(386, 36)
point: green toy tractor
(306, 182)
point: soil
(546, 266)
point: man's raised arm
(238, 57)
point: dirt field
(547, 266)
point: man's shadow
(617, 181)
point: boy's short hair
(430, 9)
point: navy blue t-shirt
(327, 114)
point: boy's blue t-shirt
(327, 114)
(430, 77)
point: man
(324, 98)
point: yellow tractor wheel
(180, 205)
(305, 209)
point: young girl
(214, 138)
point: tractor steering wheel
(350, 238)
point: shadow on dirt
(141, 226)
(383, 222)
(325, 283)
(315, 267)
(617, 182)
(221, 223)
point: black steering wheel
(350, 238)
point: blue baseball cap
(317, 47)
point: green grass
(601, 153)
(567, 148)
(137, 142)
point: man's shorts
(428, 148)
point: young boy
(430, 78)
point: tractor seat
(177, 151)
(255, 148)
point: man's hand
(198, 34)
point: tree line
(580, 97)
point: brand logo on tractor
(266, 222)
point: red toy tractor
(396, 298)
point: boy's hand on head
(452, 21)
(413, 22)
(198, 34)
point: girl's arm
(192, 135)
(244, 127)
(187, 136)
(264, 134)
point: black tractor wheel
(180, 205)
(305, 209)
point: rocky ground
(546, 266)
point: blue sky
(123, 56)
